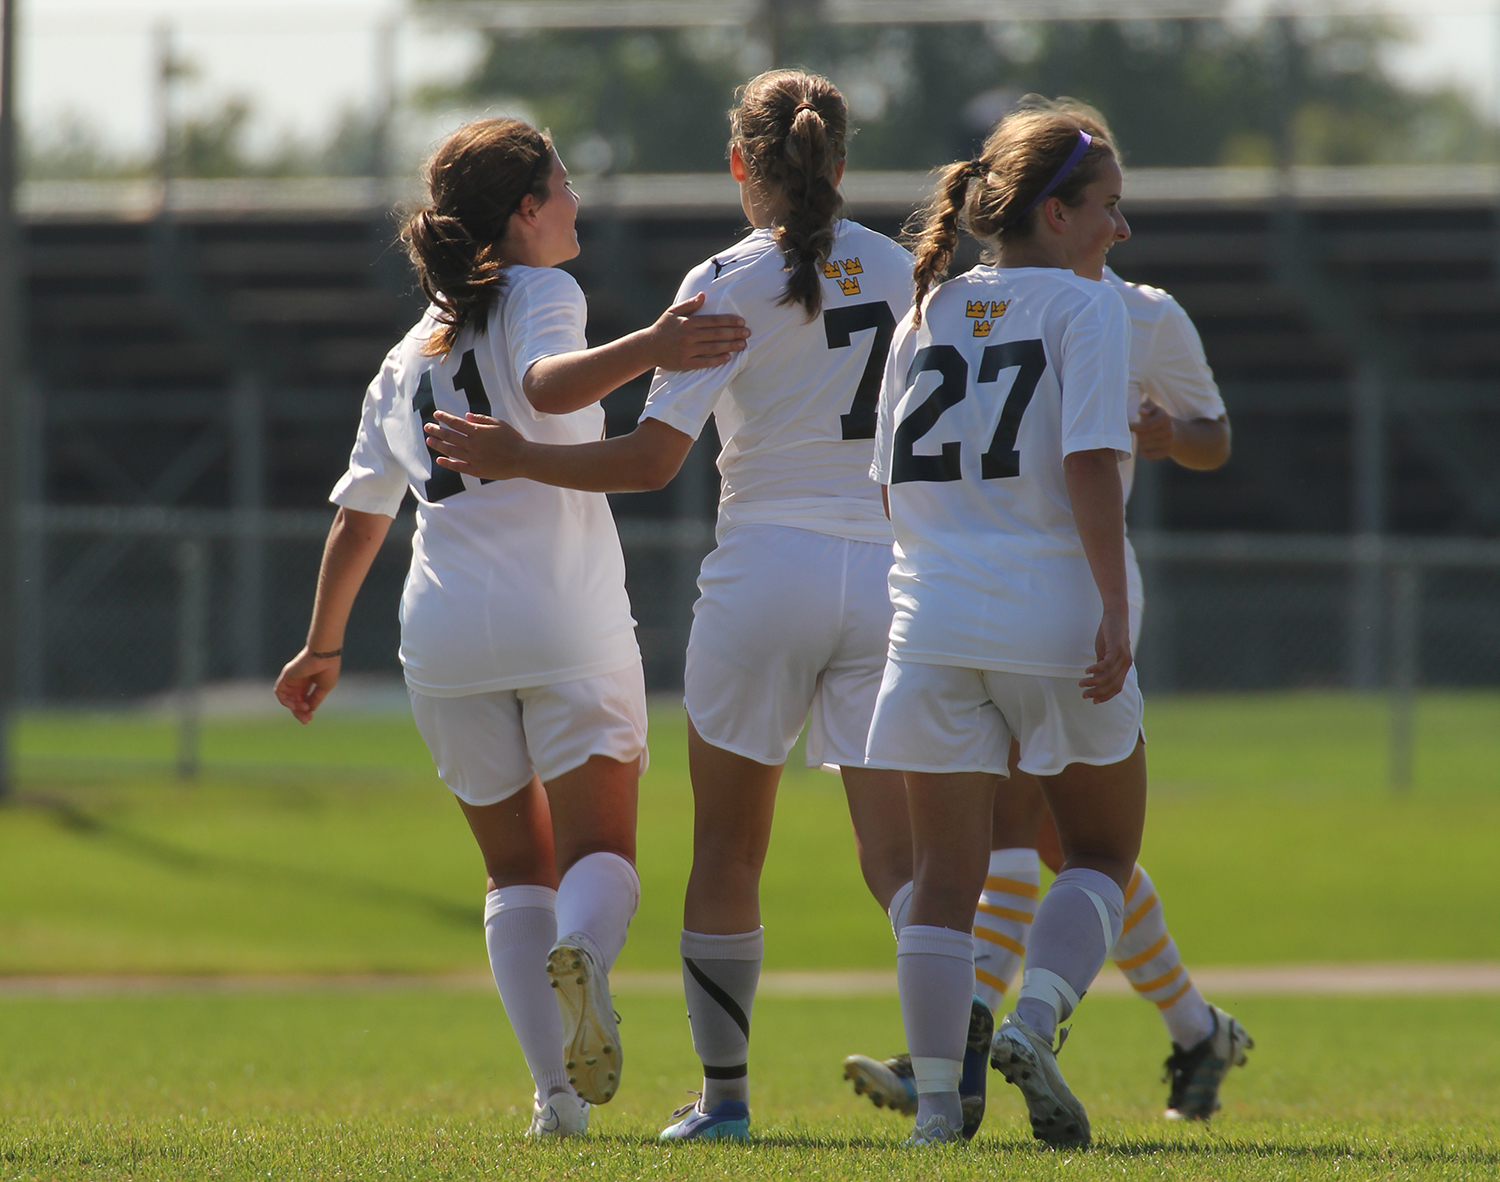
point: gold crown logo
(982, 327)
(849, 286)
(830, 270)
(998, 307)
(976, 308)
(852, 267)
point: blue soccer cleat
(971, 1083)
(727, 1120)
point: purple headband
(1082, 146)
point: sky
(302, 64)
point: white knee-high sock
(719, 976)
(1076, 926)
(900, 905)
(1002, 922)
(520, 927)
(935, 973)
(596, 901)
(1148, 956)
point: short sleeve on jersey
(1095, 376)
(376, 481)
(1177, 375)
(542, 313)
(683, 399)
(892, 387)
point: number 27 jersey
(1011, 370)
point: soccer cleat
(728, 1120)
(971, 1082)
(562, 1114)
(889, 1084)
(935, 1130)
(591, 1033)
(1196, 1072)
(1027, 1060)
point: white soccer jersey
(512, 583)
(796, 409)
(1011, 370)
(1167, 363)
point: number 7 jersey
(796, 409)
(1011, 370)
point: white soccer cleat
(1027, 1060)
(591, 1032)
(889, 1084)
(1196, 1072)
(935, 1130)
(561, 1114)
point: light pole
(10, 364)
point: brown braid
(790, 127)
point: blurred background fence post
(11, 354)
(192, 650)
(248, 476)
(1406, 647)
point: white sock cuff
(900, 905)
(936, 1075)
(512, 898)
(1017, 862)
(922, 939)
(1047, 987)
(603, 862)
(737, 946)
(1105, 894)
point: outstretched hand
(683, 339)
(476, 445)
(305, 682)
(1106, 677)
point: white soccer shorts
(791, 627)
(944, 718)
(488, 746)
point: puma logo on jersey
(849, 286)
(982, 327)
(852, 267)
(830, 270)
(998, 307)
(718, 267)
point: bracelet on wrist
(329, 655)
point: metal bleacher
(205, 349)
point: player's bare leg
(734, 801)
(882, 831)
(1100, 814)
(935, 951)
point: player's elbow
(657, 471)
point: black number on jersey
(906, 466)
(1003, 459)
(839, 325)
(444, 482)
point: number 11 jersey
(1011, 370)
(796, 409)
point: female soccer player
(1002, 424)
(794, 611)
(1176, 413)
(516, 636)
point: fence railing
(1226, 610)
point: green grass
(1272, 835)
(430, 1084)
(333, 849)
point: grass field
(1272, 837)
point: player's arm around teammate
(792, 623)
(516, 638)
(1012, 613)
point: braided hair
(790, 128)
(990, 197)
